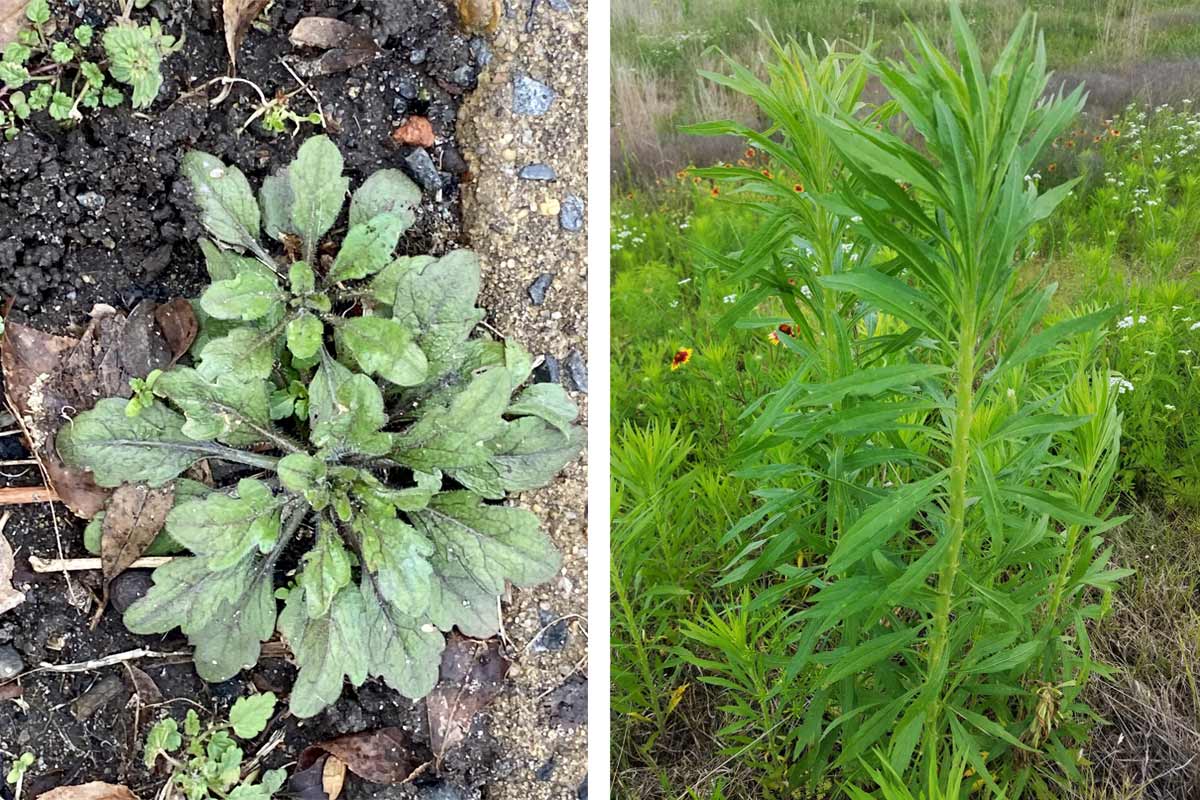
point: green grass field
(701, 702)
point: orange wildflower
(682, 356)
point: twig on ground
(85, 564)
(24, 495)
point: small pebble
(418, 56)
(545, 770)
(129, 587)
(452, 161)
(570, 217)
(582, 794)
(424, 171)
(531, 97)
(537, 289)
(554, 638)
(549, 207)
(537, 172)
(463, 76)
(406, 89)
(480, 52)
(548, 371)
(11, 664)
(442, 791)
(93, 201)
(577, 371)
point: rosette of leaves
(366, 433)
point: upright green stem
(960, 457)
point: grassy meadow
(709, 582)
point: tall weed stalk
(936, 473)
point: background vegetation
(1122, 48)
(693, 655)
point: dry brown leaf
(308, 784)
(136, 513)
(415, 131)
(12, 19)
(346, 46)
(177, 321)
(238, 15)
(333, 777)
(10, 598)
(32, 361)
(472, 674)
(49, 379)
(96, 790)
(386, 755)
(143, 685)
(327, 33)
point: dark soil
(58, 258)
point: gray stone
(555, 635)
(442, 791)
(418, 56)
(480, 52)
(537, 172)
(452, 160)
(537, 289)
(406, 89)
(582, 794)
(423, 170)
(11, 664)
(548, 371)
(129, 587)
(531, 97)
(570, 215)
(560, 5)
(93, 201)
(464, 76)
(577, 371)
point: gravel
(570, 215)
(423, 170)
(531, 97)
(537, 172)
(577, 371)
(11, 664)
(537, 289)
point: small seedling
(143, 393)
(43, 70)
(206, 760)
(16, 773)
